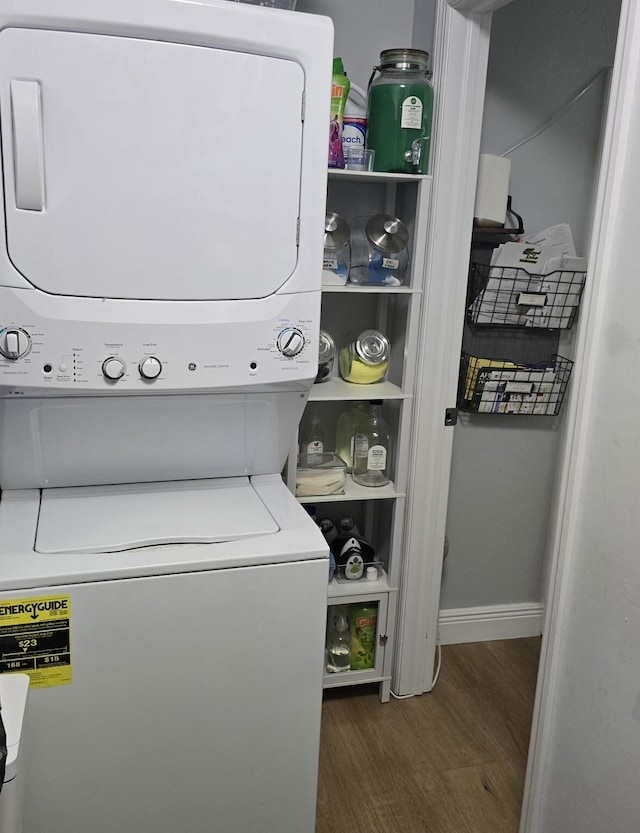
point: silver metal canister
(326, 355)
(365, 360)
(336, 256)
(379, 251)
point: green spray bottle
(363, 625)
(340, 86)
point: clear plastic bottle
(312, 443)
(371, 448)
(339, 645)
(346, 426)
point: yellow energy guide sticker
(35, 639)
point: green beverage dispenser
(400, 112)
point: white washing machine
(164, 174)
(183, 681)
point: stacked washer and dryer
(164, 177)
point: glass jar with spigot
(400, 108)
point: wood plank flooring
(452, 761)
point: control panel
(170, 348)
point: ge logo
(192, 366)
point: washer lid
(13, 698)
(95, 519)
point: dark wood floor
(452, 761)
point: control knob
(113, 368)
(150, 367)
(290, 342)
(14, 343)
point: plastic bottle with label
(339, 93)
(354, 124)
(371, 449)
(363, 623)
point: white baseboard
(483, 624)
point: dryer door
(145, 169)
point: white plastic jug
(354, 126)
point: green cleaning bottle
(363, 624)
(340, 86)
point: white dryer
(164, 176)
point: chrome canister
(326, 355)
(336, 253)
(380, 255)
(387, 233)
(366, 358)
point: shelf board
(354, 491)
(374, 176)
(342, 678)
(371, 290)
(361, 587)
(336, 389)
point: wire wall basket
(511, 297)
(493, 386)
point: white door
(585, 751)
(144, 169)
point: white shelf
(371, 290)
(397, 312)
(343, 678)
(361, 587)
(374, 176)
(354, 491)
(336, 389)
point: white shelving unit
(396, 311)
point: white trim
(565, 506)
(461, 50)
(489, 622)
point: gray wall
(363, 28)
(542, 54)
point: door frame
(461, 49)
(562, 550)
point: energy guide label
(35, 639)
